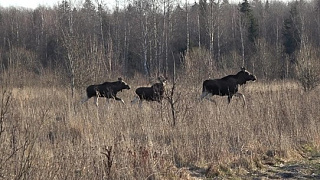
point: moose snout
(254, 78)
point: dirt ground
(306, 168)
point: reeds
(48, 135)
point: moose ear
(162, 79)
(119, 79)
(243, 69)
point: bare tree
(188, 28)
(144, 24)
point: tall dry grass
(49, 135)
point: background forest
(89, 42)
(49, 55)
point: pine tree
(252, 25)
(203, 22)
(291, 35)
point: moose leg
(118, 99)
(85, 99)
(107, 100)
(241, 96)
(140, 103)
(208, 97)
(204, 94)
(96, 100)
(229, 98)
(135, 100)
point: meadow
(47, 134)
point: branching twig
(170, 96)
(109, 159)
(5, 105)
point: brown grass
(49, 135)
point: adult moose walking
(107, 90)
(227, 86)
(153, 93)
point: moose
(108, 90)
(153, 93)
(227, 86)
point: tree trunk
(242, 41)
(188, 28)
(144, 25)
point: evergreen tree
(291, 32)
(252, 25)
(203, 22)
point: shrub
(308, 69)
(308, 77)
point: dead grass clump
(46, 134)
(219, 170)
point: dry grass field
(47, 134)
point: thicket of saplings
(47, 134)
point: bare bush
(4, 107)
(308, 76)
(145, 144)
(198, 63)
(308, 69)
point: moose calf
(107, 90)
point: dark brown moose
(153, 93)
(108, 90)
(227, 86)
